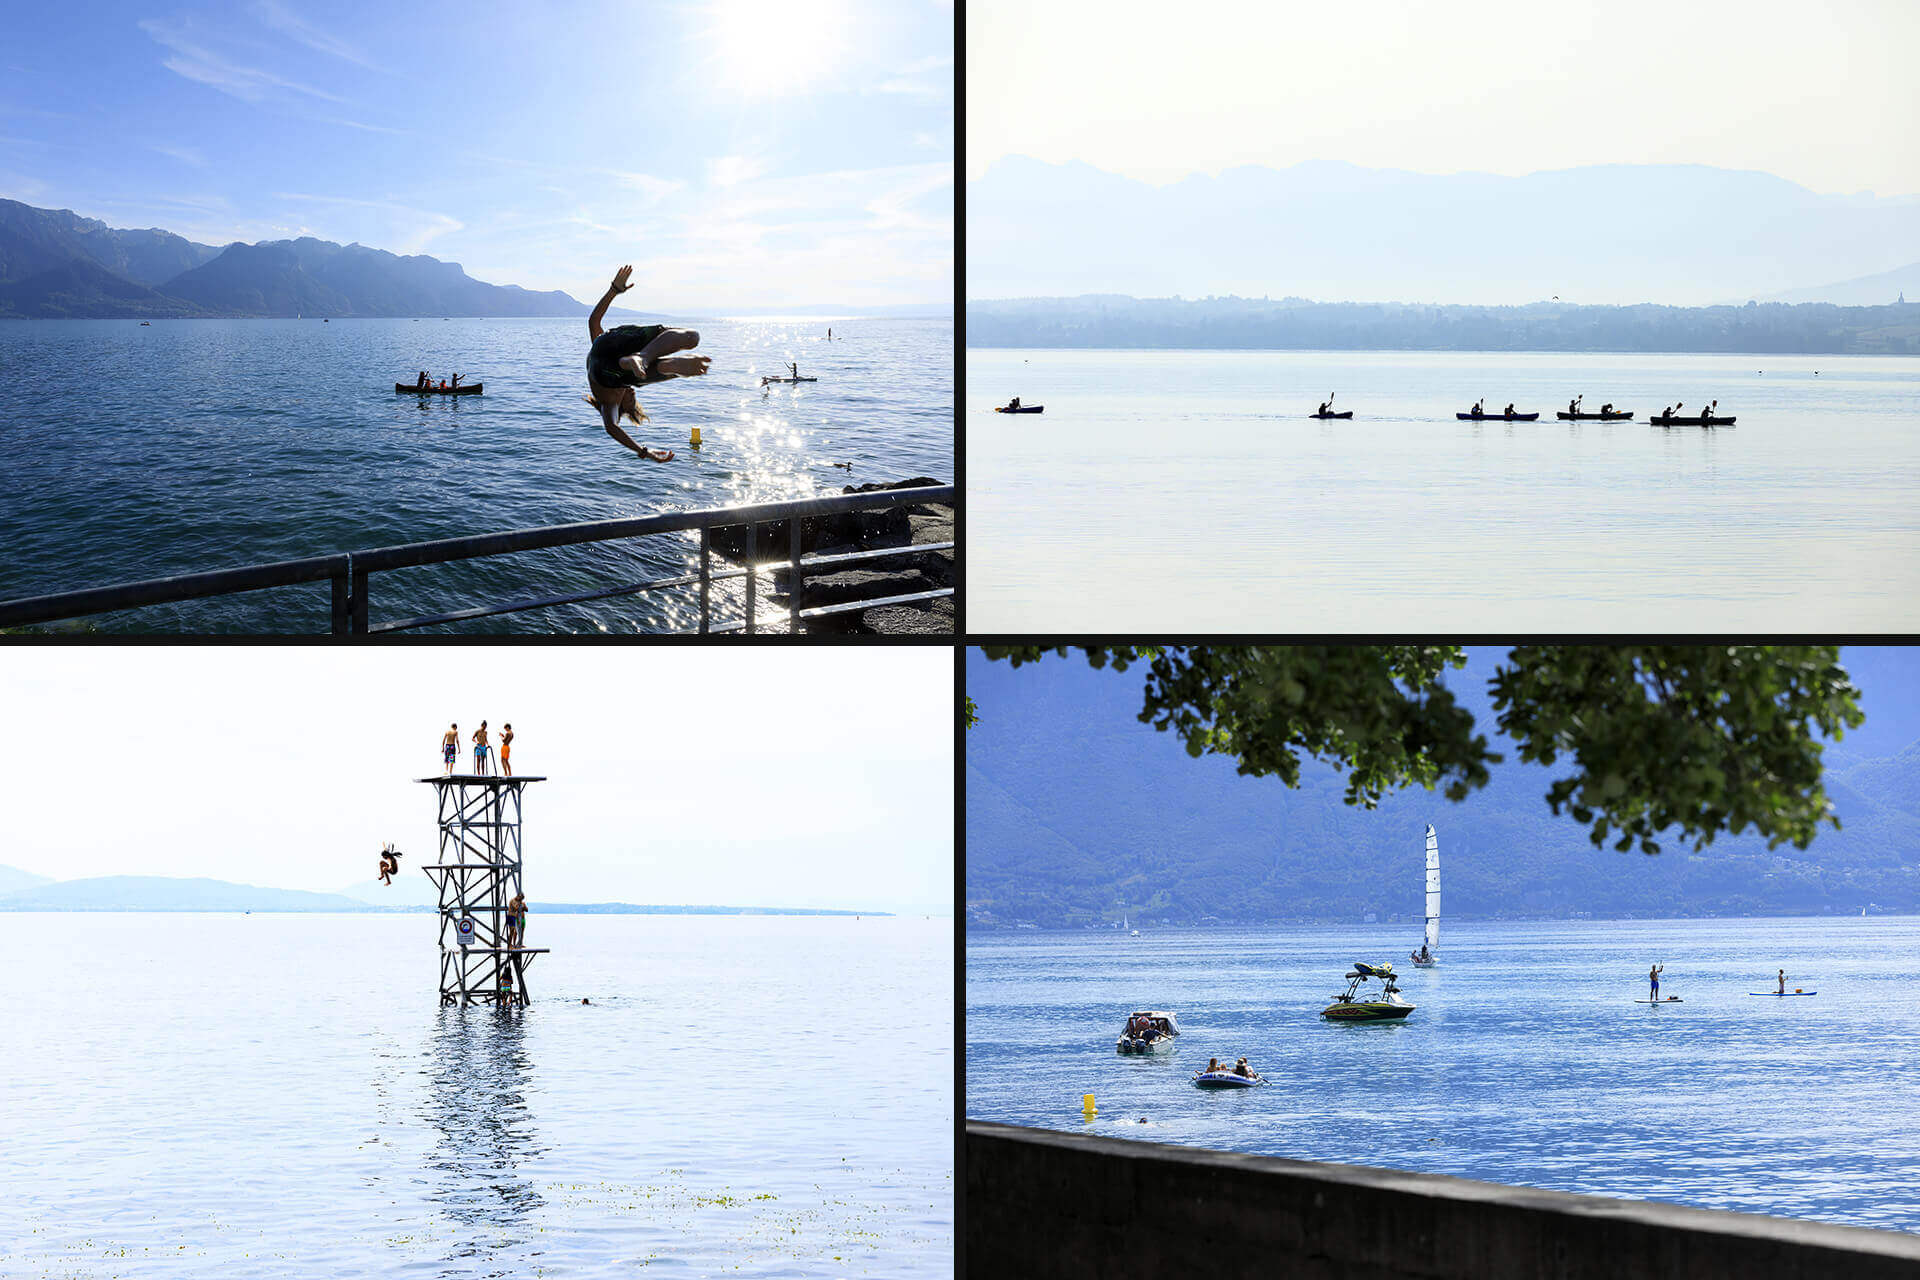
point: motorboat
(1429, 953)
(1353, 1005)
(1159, 1036)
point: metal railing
(349, 573)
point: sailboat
(1429, 954)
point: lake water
(274, 1095)
(1188, 490)
(1525, 1062)
(189, 445)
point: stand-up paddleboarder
(633, 355)
(1653, 981)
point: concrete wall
(1041, 1203)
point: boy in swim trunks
(506, 750)
(633, 355)
(450, 747)
(480, 750)
(516, 918)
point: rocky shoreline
(866, 580)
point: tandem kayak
(1497, 417)
(1225, 1080)
(408, 388)
(1621, 416)
(1025, 408)
(1691, 422)
(1347, 414)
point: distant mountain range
(24, 891)
(55, 264)
(1079, 816)
(1296, 324)
(1616, 234)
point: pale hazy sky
(759, 777)
(1822, 95)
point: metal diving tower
(477, 874)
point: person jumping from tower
(634, 355)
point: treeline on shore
(1102, 320)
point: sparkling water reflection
(232, 442)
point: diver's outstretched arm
(614, 290)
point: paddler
(1783, 982)
(1653, 981)
(633, 355)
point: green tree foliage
(1705, 739)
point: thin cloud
(185, 155)
(197, 63)
(280, 18)
(731, 171)
(356, 124)
(426, 225)
(652, 189)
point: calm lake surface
(273, 1095)
(189, 445)
(1189, 490)
(1525, 1063)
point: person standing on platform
(506, 750)
(450, 747)
(480, 750)
(516, 919)
(1653, 981)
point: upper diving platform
(484, 779)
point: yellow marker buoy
(1086, 1105)
(695, 442)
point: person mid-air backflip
(633, 355)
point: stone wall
(1042, 1203)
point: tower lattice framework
(477, 874)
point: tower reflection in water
(476, 1104)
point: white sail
(1433, 890)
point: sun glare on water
(765, 48)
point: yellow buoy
(696, 438)
(1086, 1105)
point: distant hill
(57, 265)
(13, 879)
(1866, 291)
(1233, 323)
(24, 891)
(1078, 815)
(160, 893)
(78, 288)
(1604, 234)
(34, 240)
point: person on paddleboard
(1653, 981)
(634, 355)
(1783, 982)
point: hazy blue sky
(740, 153)
(1822, 95)
(820, 777)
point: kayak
(1224, 1080)
(408, 388)
(1783, 993)
(1347, 414)
(1601, 417)
(1691, 422)
(1496, 417)
(1025, 408)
